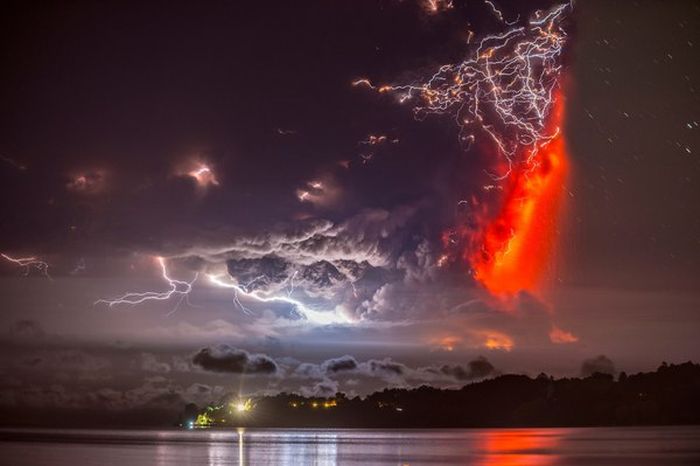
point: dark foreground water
(484, 447)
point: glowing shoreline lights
(508, 90)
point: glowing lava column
(518, 242)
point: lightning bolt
(204, 175)
(508, 90)
(504, 89)
(239, 290)
(176, 288)
(29, 263)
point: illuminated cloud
(201, 172)
(87, 182)
(447, 343)
(204, 176)
(433, 7)
(495, 340)
(321, 192)
(342, 364)
(557, 335)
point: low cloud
(226, 359)
(342, 364)
(476, 369)
(150, 363)
(601, 364)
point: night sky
(228, 139)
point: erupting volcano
(513, 250)
(506, 96)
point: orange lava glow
(448, 343)
(494, 340)
(518, 241)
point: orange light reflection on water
(526, 447)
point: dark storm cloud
(476, 369)
(371, 235)
(226, 359)
(342, 364)
(393, 372)
(600, 364)
(386, 368)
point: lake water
(637, 446)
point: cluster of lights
(316, 404)
(242, 406)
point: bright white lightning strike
(29, 263)
(177, 288)
(505, 88)
(204, 176)
(316, 317)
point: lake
(635, 446)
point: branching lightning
(244, 291)
(507, 89)
(178, 289)
(29, 263)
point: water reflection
(274, 448)
(218, 449)
(521, 447)
(241, 460)
(643, 446)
